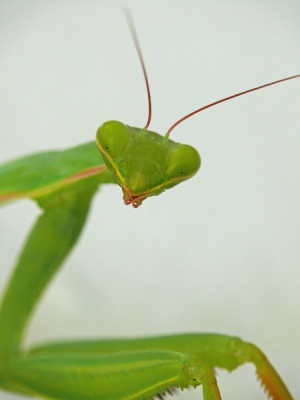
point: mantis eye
(184, 162)
(112, 138)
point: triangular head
(143, 162)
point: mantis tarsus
(80, 370)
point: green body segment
(41, 174)
(212, 349)
(136, 375)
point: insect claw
(268, 377)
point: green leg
(214, 350)
(137, 375)
(51, 239)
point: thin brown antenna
(227, 98)
(131, 25)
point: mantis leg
(212, 350)
(136, 375)
(51, 239)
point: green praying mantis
(63, 184)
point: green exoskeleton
(63, 183)
(144, 163)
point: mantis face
(143, 162)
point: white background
(219, 253)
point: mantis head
(143, 162)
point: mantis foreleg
(214, 350)
(50, 241)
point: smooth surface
(219, 252)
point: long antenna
(139, 51)
(227, 98)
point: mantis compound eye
(112, 138)
(183, 163)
